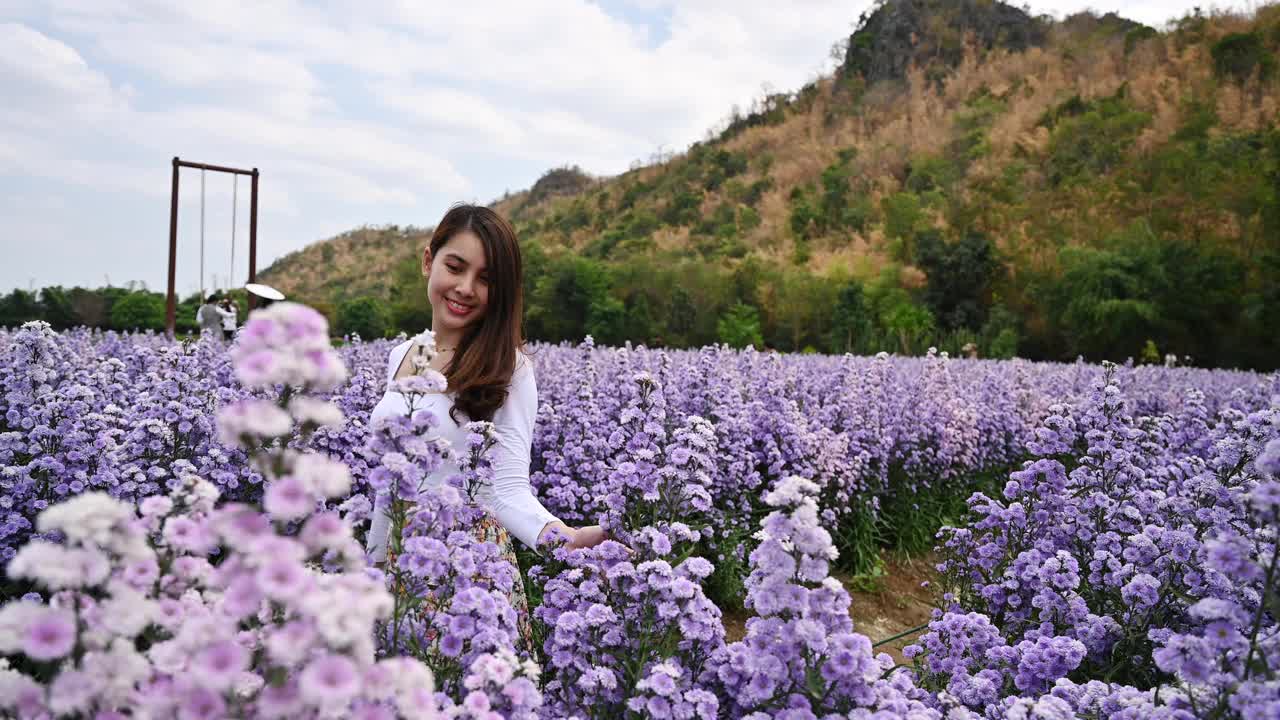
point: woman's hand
(588, 536)
(575, 538)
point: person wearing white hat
(265, 293)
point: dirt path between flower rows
(882, 607)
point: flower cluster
(659, 480)
(627, 639)
(498, 685)
(1142, 550)
(800, 657)
(86, 411)
(141, 619)
(1127, 569)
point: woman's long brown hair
(482, 365)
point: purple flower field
(181, 532)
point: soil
(883, 605)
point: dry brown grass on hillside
(893, 124)
(362, 260)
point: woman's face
(457, 282)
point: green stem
(901, 635)
(1257, 616)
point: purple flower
(217, 666)
(288, 498)
(49, 635)
(201, 703)
(329, 681)
(282, 579)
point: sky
(366, 112)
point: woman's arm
(514, 503)
(583, 537)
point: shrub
(740, 327)
(367, 317)
(139, 311)
(1238, 55)
(1095, 141)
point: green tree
(797, 305)
(139, 310)
(740, 327)
(56, 308)
(1239, 55)
(89, 306)
(805, 218)
(562, 302)
(368, 317)
(17, 307)
(410, 311)
(850, 319)
(911, 324)
(1101, 302)
(607, 320)
(682, 318)
(1096, 141)
(903, 218)
(640, 325)
(110, 296)
(999, 336)
(959, 274)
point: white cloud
(40, 73)
(460, 113)
(371, 112)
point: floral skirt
(488, 529)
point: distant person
(227, 311)
(208, 318)
(264, 294)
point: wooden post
(171, 303)
(253, 235)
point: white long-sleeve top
(228, 318)
(511, 496)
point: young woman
(227, 311)
(474, 285)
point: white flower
(57, 567)
(254, 418)
(414, 687)
(793, 490)
(425, 340)
(72, 692)
(118, 671)
(168, 656)
(425, 382)
(128, 612)
(156, 505)
(289, 497)
(14, 686)
(330, 478)
(317, 412)
(248, 684)
(90, 518)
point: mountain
(356, 263)
(968, 175)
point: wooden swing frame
(171, 304)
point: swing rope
(235, 192)
(202, 295)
